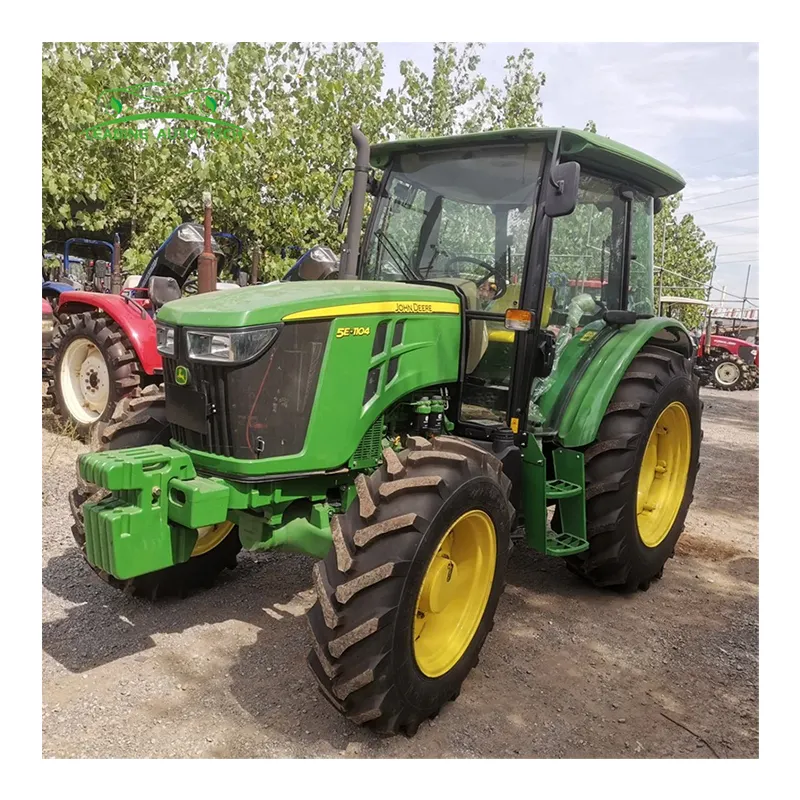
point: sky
(692, 106)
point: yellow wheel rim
(210, 536)
(663, 474)
(454, 593)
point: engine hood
(304, 300)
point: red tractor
(724, 362)
(104, 345)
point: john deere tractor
(486, 368)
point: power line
(724, 205)
(726, 221)
(737, 253)
(717, 158)
(731, 235)
(724, 191)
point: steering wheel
(502, 284)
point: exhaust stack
(207, 261)
(349, 260)
(116, 269)
(254, 268)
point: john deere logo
(181, 376)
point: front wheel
(407, 595)
(94, 367)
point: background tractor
(724, 362)
(402, 423)
(67, 272)
(104, 345)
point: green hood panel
(261, 305)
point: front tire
(94, 367)
(138, 421)
(641, 471)
(407, 595)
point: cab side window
(586, 247)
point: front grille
(255, 410)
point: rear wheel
(94, 367)
(640, 472)
(138, 421)
(407, 595)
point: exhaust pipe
(206, 261)
(116, 269)
(255, 266)
(349, 260)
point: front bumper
(149, 520)
(157, 502)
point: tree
(684, 258)
(297, 101)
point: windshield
(462, 214)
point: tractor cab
(471, 212)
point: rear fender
(580, 420)
(139, 327)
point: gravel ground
(567, 672)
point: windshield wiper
(401, 262)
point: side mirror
(561, 194)
(163, 290)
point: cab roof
(591, 150)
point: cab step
(559, 490)
(564, 544)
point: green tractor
(486, 368)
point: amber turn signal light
(518, 319)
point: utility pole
(713, 270)
(744, 299)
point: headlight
(47, 323)
(165, 340)
(754, 352)
(233, 346)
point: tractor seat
(476, 333)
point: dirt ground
(567, 672)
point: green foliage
(297, 101)
(687, 258)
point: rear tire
(138, 421)
(619, 555)
(109, 370)
(367, 623)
